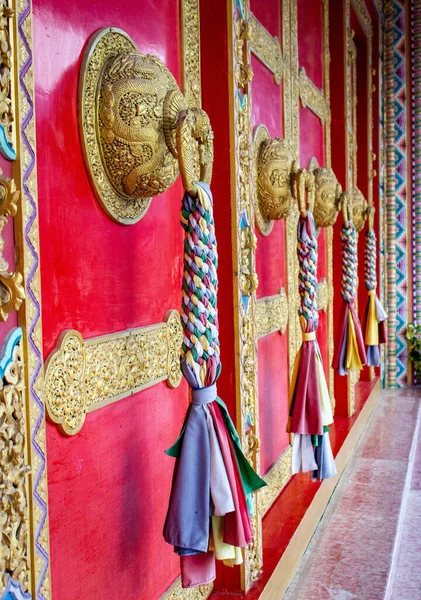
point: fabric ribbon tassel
(208, 514)
(374, 321)
(310, 407)
(349, 347)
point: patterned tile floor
(368, 543)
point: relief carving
(136, 126)
(83, 376)
(312, 97)
(274, 171)
(12, 290)
(6, 67)
(267, 49)
(272, 314)
(322, 295)
(359, 209)
(14, 512)
(327, 197)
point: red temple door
(103, 278)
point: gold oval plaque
(121, 117)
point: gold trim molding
(12, 290)
(267, 49)
(276, 478)
(14, 502)
(313, 98)
(272, 314)
(322, 295)
(190, 36)
(83, 376)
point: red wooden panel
(268, 14)
(310, 39)
(109, 485)
(273, 397)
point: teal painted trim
(6, 356)
(5, 148)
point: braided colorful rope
(310, 407)
(349, 348)
(374, 321)
(349, 262)
(207, 516)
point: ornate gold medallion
(121, 117)
(273, 170)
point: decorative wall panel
(416, 155)
(402, 192)
(83, 376)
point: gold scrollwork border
(190, 36)
(276, 478)
(83, 376)
(267, 49)
(272, 314)
(244, 251)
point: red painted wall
(109, 485)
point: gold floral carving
(190, 35)
(273, 175)
(322, 295)
(244, 270)
(267, 48)
(83, 376)
(176, 592)
(312, 97)
(14, 514)
(272, 314)
(6, 88)
(249, 280)
(11, 283)
(276, 478)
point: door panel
(100, 277)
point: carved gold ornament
(272, 314)
(359, 209)
(14, 506)
(7, 133)
(322, 295)
(134, 123)
(327, 192)
(313, 98)
(276, 478)
(83, 376)
(267, 49)
(11, 283)
(274, 171)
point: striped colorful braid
(310, 407)
(374, 321)
(208, 514)
(349, 347)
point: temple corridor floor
(368, 543)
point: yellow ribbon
(308, 337)
(371, 336)
(353, 360)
